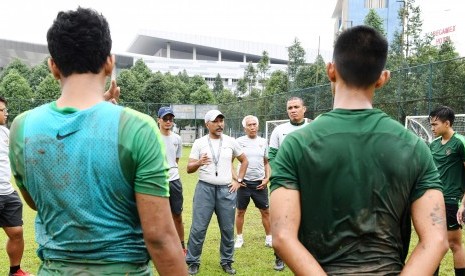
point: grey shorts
(11, 210)
(259, 197)
(176, 198)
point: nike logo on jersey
(61, 137)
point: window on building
(376, 4)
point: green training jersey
(82, 169)
(449, 159)
(357, 171)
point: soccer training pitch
(252, 259)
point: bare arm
(160, 235)
(285, 222)
(267, 175)
(244, 164)
(429, 220)
(193, 165)
(27, 197)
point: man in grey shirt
(173, 146)
(255, 183)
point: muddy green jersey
(449, 159)
(357, 171)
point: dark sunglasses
(168, 119)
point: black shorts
(259, 197)
(176, 198)
(11, 210)
(451, 217)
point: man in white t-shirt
(11, 207)
(173, 146)
(296, 112)
(212, 156)
(255, 183)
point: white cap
(212, 114)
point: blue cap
(164, 110)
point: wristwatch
(239, 180)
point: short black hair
(294, 98)
(360, 55)
(3, 100)
(79, 41)
(443, 113)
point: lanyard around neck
(215, 158)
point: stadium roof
(151, 43)
(30, 53)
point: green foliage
(250, 76)
(141, 71)
(48, 89)
(312, 74)
(15, 86)
(373, 19)
(218, 85)
(20, 67)
(296, 55)
(203, 95)
(156, 90)
(263, 67)
(130, 87)
(184, 77)
(241, 87)
(226, 96)
(37, 74)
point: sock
(268, 237)
(239, 236)
(14, 269)
(183, 245)
(459, 271)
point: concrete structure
(349, 13)
(441, 19)
(174, 53)
(208, 56)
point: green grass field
(252, 259)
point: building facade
(349, 13)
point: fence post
(430, 86)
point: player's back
(357, 172)
(86, 207)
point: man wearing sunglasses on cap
(173, 146)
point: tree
(16, 89)
(183, 76)
(21, 68)
(141, 71)
(218, 86)
(241, 87)
(195, 83)
(156, 90)
(129, 85)
(48, 89)
(225, 97)
(263, 67)
(273, 101)
(373, 19)
(296, 55)
(37, 74)
(250, 76)
(203, 95)
(312, 74)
